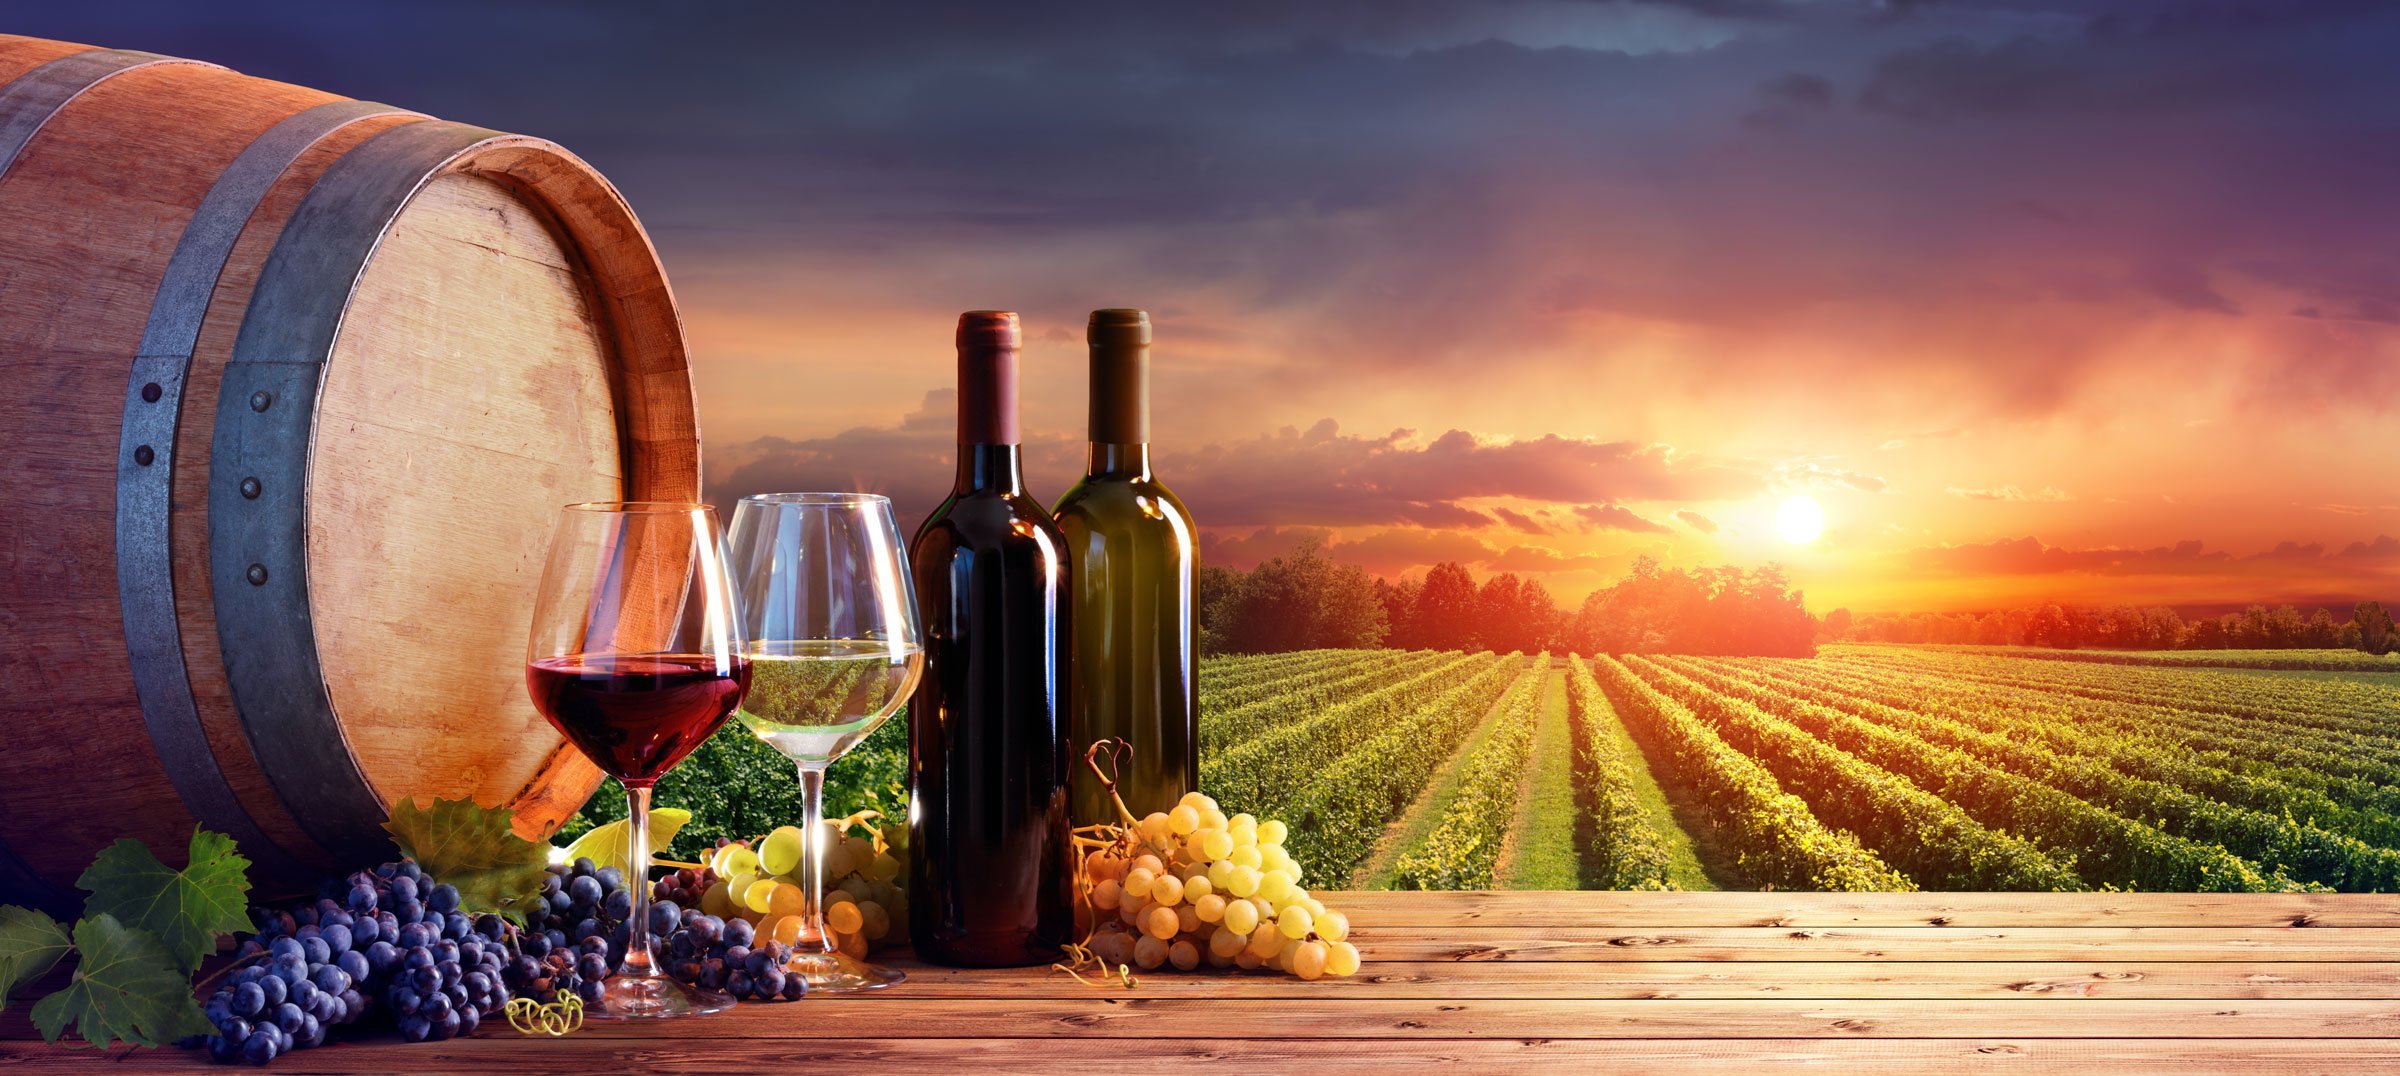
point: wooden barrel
(294, 387)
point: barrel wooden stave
(85, 251)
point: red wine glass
(636, 656)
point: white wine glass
(831, 622)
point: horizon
(2031, 300)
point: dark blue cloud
(1441, 186)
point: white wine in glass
(831, 623)
(814, 699)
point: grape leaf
(186, 909)
(126, 987)
(607, 844)
(30, 944)
(474, 849)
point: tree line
(2127, 627)
(1306, 600)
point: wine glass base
(840, 973)
(653, 997)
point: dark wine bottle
(991, 866)
(1133, 568)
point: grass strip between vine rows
(1463, 851)
(1776, 840)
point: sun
(1800, 520)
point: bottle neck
(1117, 460)
(989, 468)
(1120, 395)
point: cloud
(2031, 556)
(2384, 547)
(1390, 552)
(2291, 550)
(1324, 477)
(1226, 549)
(1262, 496)
(1786, 99)
(1617, 517)
(1518, 186)
(1696, 521)
(1396, 551)
(2017, 556)
(1806, 473)
(1531, 559)
(1897, 443)
(1520, 521)
(2035, 219)
(2192, 61)
(1799, 88)
(2009, 493)
(910, 461)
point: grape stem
(228, 966)
(1092, 838)
(861, 817)
(1078, 955)
(1117, 750)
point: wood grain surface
(442, 559)
(1626, 982)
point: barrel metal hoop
(29, 102)
(266, 415)
(146, 476)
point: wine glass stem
(637, 962)
(812, 859)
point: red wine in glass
(636, 715)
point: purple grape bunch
(392, 943)
(447, 971)
(389, 939)
(576, 937)
(724, 955)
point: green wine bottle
(1133, 572)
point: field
(1866, 768)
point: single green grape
(780, 852)
(1294, 922)
(1241, 916)
(738, 859)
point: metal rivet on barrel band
(143, 455)
(150, 392)
(250, 488)
(261, 399)
(258, 575)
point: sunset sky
(2037, 299)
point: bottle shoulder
(985, 517)
(1128, 498)
(984, 505)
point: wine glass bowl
(831, 623)
(636, 656)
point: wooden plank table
(1632, 982)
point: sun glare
(1799, 520)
